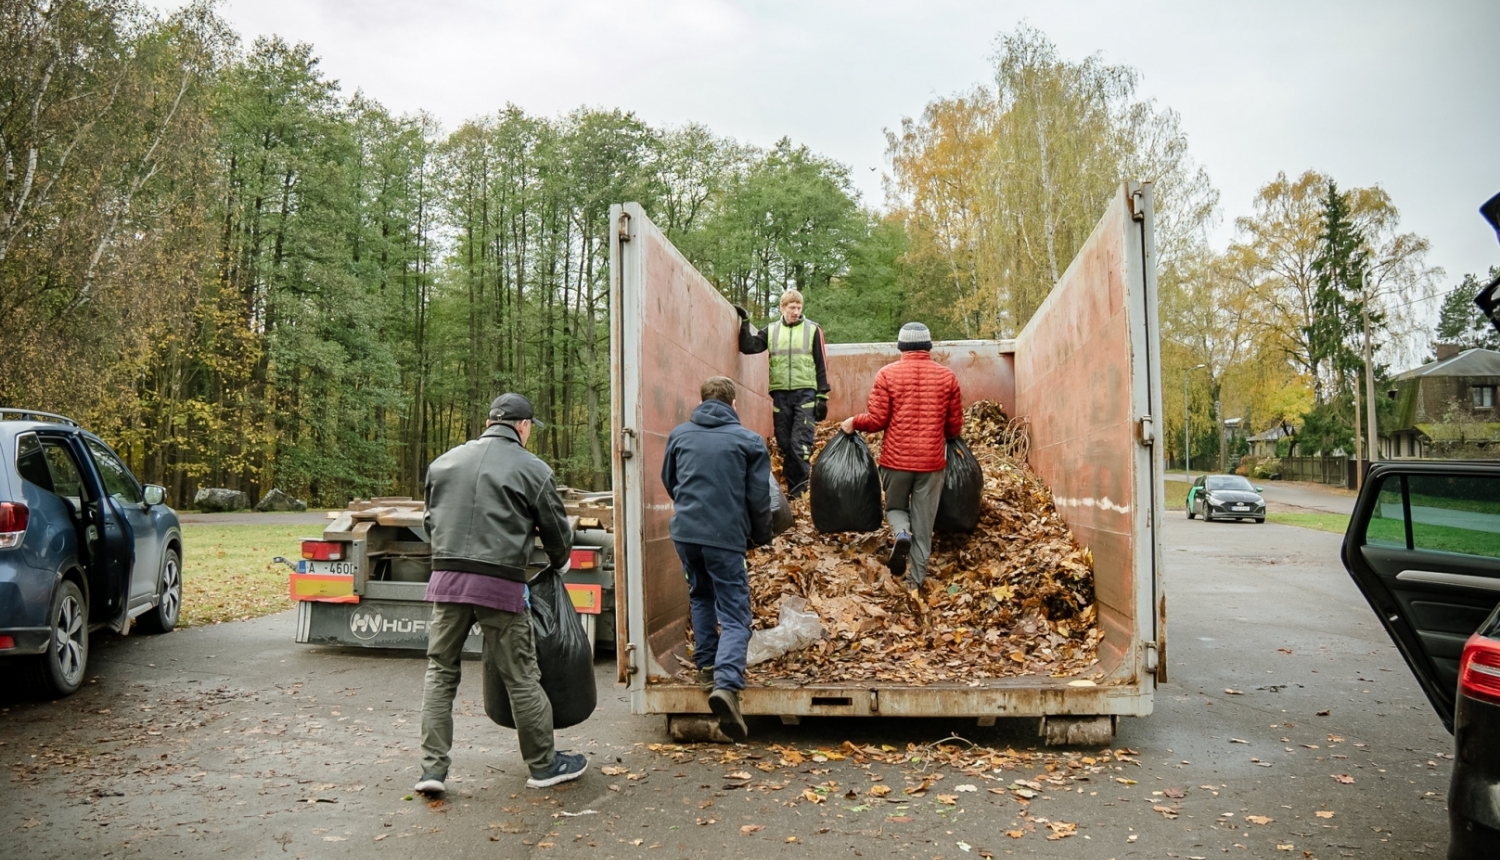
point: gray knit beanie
(914, 335)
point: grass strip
(227, 573)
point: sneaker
(432, 783)
(565, 768)
(705, 678)
(897, 561)
(726, 706)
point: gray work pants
(911, 503)
(509, 643)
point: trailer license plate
(344, 568)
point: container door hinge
(1150, 656)
(627, 443)
(1146, 427)
(624, 227)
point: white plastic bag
(796, 629)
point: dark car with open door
(1423, 546)
(83, 546)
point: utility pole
(1373, 439)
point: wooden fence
(1337, 471)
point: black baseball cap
(513, 407)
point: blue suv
(83, 546)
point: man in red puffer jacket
(916, 401)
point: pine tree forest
(243, 275)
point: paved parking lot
(1286, 701)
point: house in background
(1263, 444)
(1449, 407)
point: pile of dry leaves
(1015, 597)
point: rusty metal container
(1084, 372)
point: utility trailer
(1084, 373)
(362, 582)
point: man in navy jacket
(718, 475)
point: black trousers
(795, 427)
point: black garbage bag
(963, 491)
(562, 654)
(844, 490)
(781, 512)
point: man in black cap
(486, 501)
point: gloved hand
(744, 314)
(820, 408)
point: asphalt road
(231, 740)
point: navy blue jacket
(719, 477)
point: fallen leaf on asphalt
(964, 847)
(790, 839)
(1322, 713)
(1123, 780)
(1284, 847)
(1343, 778)
(1025, 793)
(1132, 837)
(900, 819)
(1238, 741)
(1175, 793)
(1061, 829)
(1323, 813)
(1335, 739)
(812, 796)
(1233, 692)
(381, 836)
(1259, 819)
(744, 828)
(1284, 650)
(739, 774)
(1015, 834)
(965, 788)
(1166, 811)
(613, 770)
(948, 799)
(880, 790)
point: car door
(102, 536)
(1195, 493)
(1423, 546)
(125, 495)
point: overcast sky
(1403, 95)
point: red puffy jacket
(917, 403)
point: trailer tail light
(13, 519)
(7, 643)
(323, 550)
(584, 559)
(1479, 670)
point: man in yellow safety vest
(799, 383)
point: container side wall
(1077, 381)
(687, 333)
(985, 371)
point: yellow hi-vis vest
(791, 349)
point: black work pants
(793, 419)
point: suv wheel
(59, 671)
(163, 617)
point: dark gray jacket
(486, 499)
(719, 477)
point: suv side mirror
(154, 495)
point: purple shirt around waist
(477, 589)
